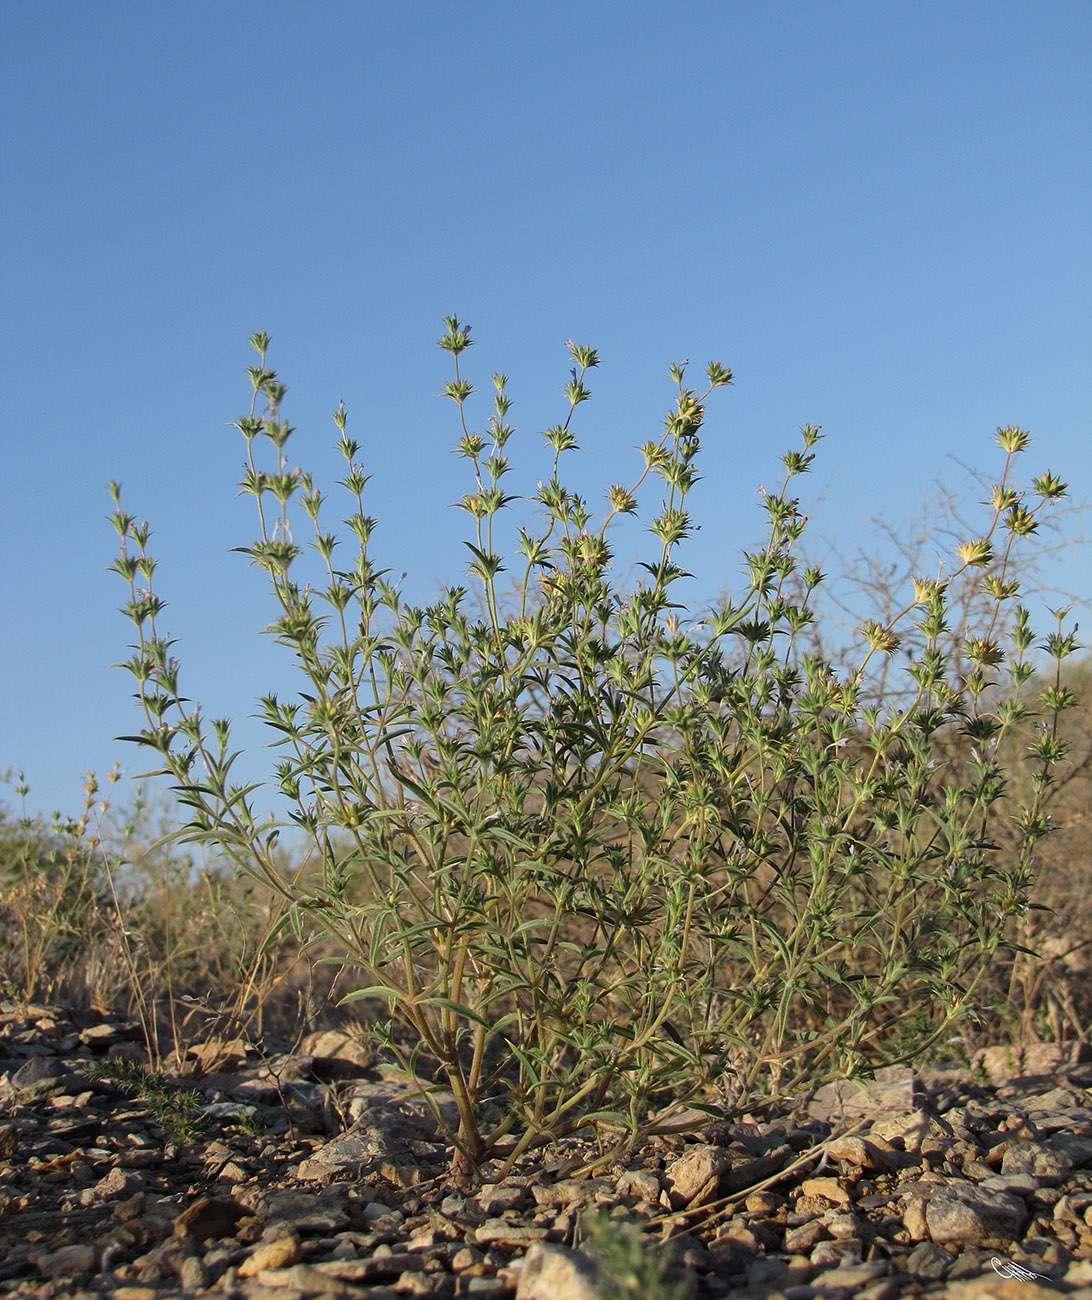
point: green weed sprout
(629, 1266)
(177, 1111)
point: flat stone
(501, 1232)
(43, 1077)
(928, 1261)
(495, 1198)
(307, 1281)
(848, 1278)
(280, 1253)
(306, 1211)
(69, 1261)
(895, 1088)
(1043, 1163)
(641, 1183)
(970, 1215)
(1010, 1063)
(830, 1189)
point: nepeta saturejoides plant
(594, 859)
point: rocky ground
(314, 1174)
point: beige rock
(465, 1259)
(509, 1234)
(335, 1044)
(1008, 1063)
(911, 1129)
(830, 1189)
(641, 1183)
(859, 1152)
(556, 1273)
(992, 1287)
(281, 1253)
(69, 1261)
(914, 1220)
(802, 1240)
(693, 1178)
(308, 1281)
(895, 1088)
(970, 1215)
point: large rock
(1042, 1163)
(337, 1055)
(42, 1077)
(895, 1089)
(557, 1273)
(966, 1215)
(992, 1286)
(695, 1176)
(1010, 1063)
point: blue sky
(877, 214)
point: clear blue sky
(877, 214)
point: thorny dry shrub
(54, 905)
(1040, 986)
(595, 861)
(103, 913)
(1041, 989)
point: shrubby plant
(1038, 988)
(53, 898)
(597, 860)
(101, 911)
